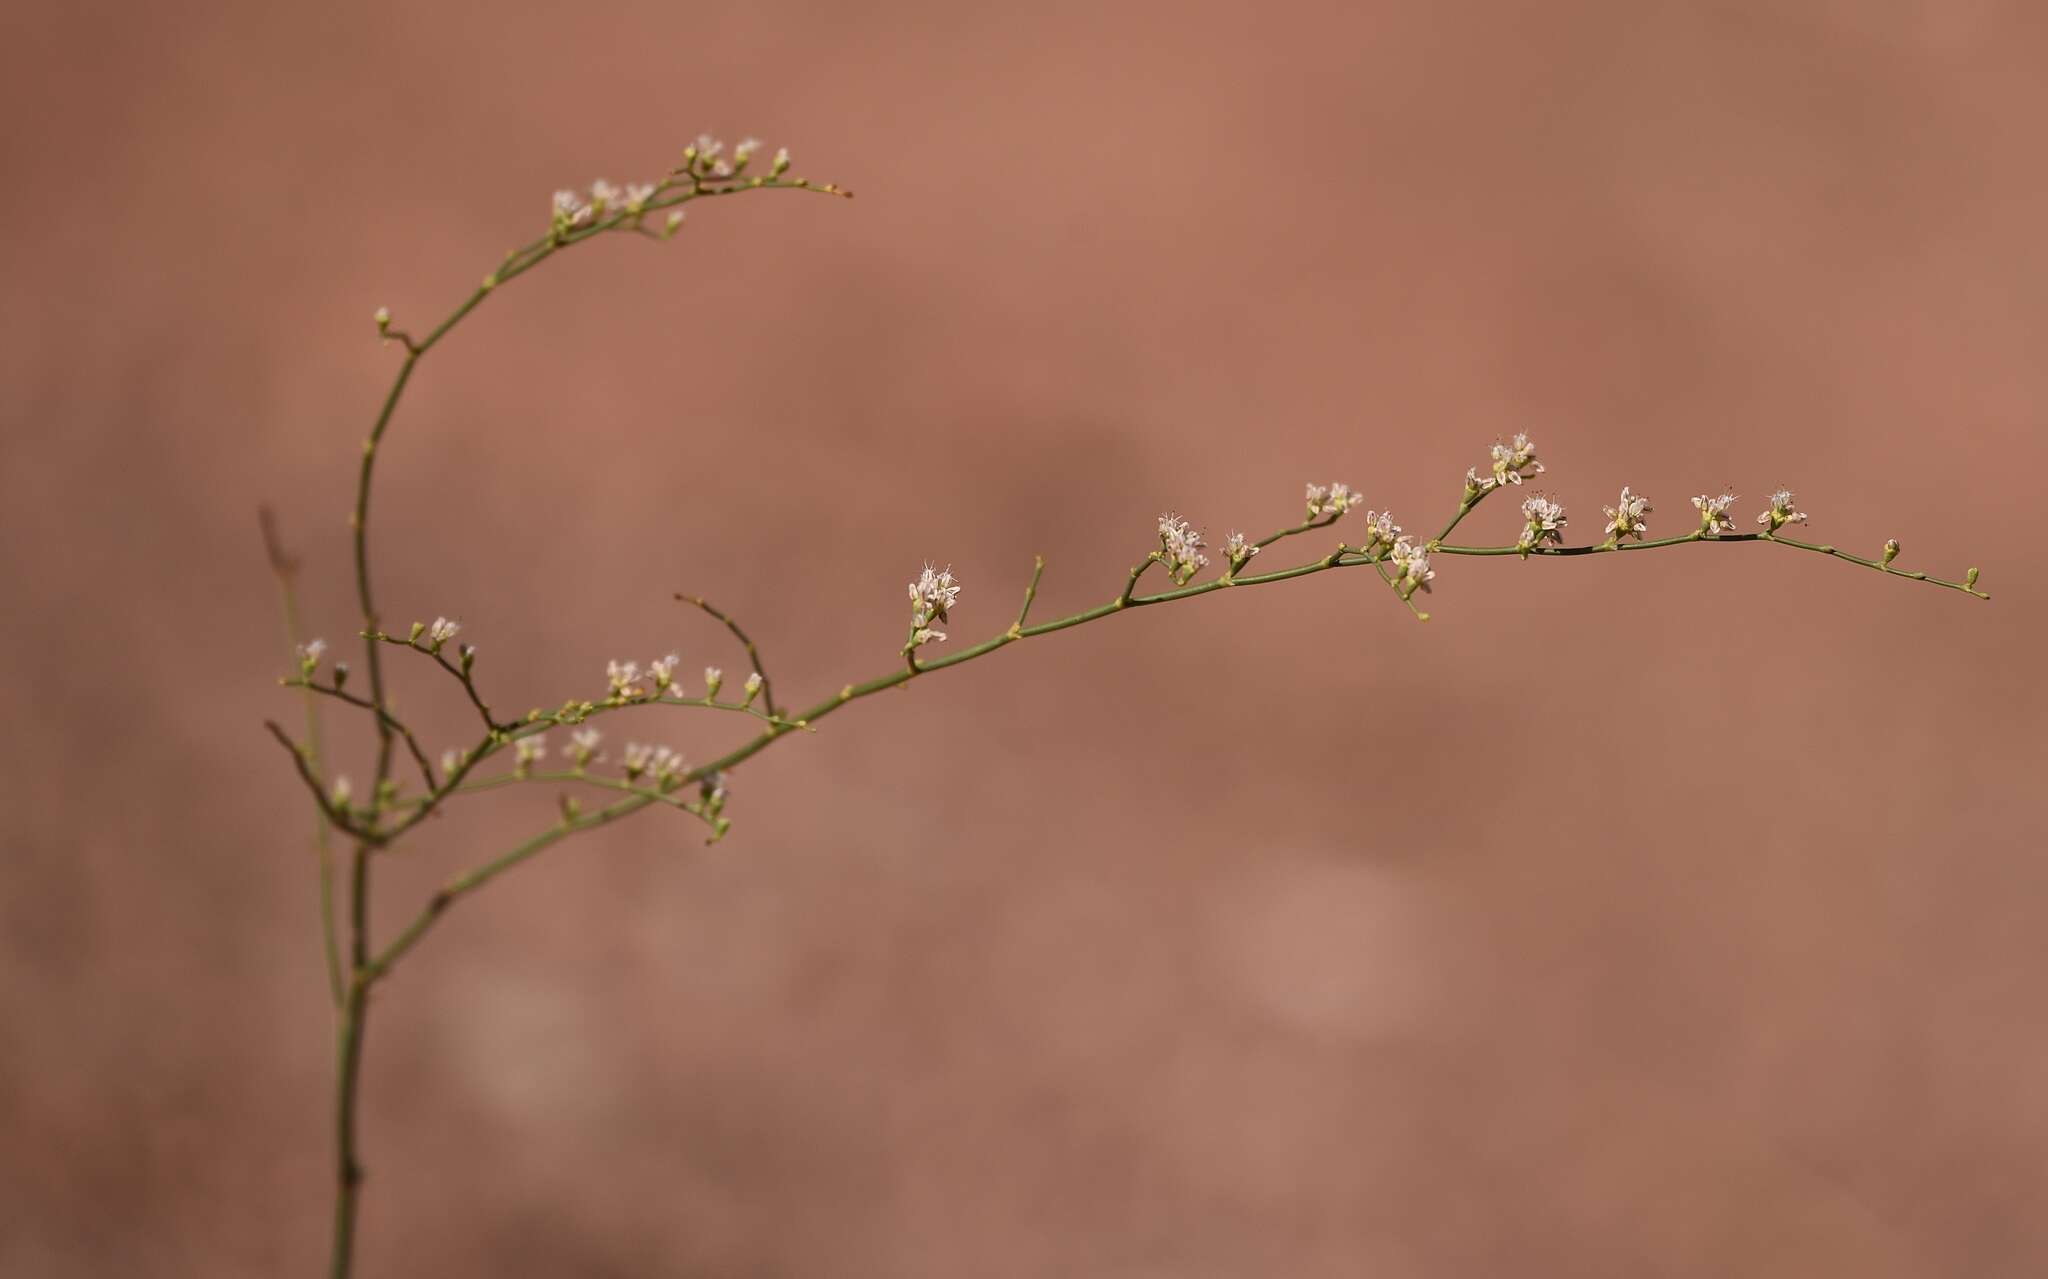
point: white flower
(667, 765)
(752, 688)
(713, 677)
(781, 165)
(637, 195)
(1546, 521)
(1714, 513)
(442, 631)
(638, 757)
(1380, 528)
(931, 599)
(1180, 548)
(1237, 549)
(621, 675)
(705, 155)
(530, 750)
(604, 197)
(342, 792)
(664, 670)
(583, 745)
(1512, 461)
(745, 150)
(1626, 520)
(309, 654)
(1332, 499)
(1411, 567)
(1782, 511)
(570, 209)
(451, 760)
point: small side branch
(753, 653)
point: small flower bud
(752, 688)
(342, 792)
(1970, 579)
(1891, 550)
(340, 675)
(781, 165)
(309, 656)
(468, 657)
(570, 808)
(418, 629)
(713, 677)
(383, 319)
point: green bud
(418, 629)
(1970, 579)
(1891, 550)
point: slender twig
(1030, 594)
(753, 654)
(396, 725)
(285, 567)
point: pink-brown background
(1676, 915)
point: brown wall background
(1676, 916)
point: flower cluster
(623, 677)
(1330, 499)
(1545, 523)
(436, 635)
(572, 210)
(1237, 550)
(1782, 511)
(1512, 461)
(309, 656)
(706, 158)
(1714, 513)
(931, 599)
(528, 751)
(1380, 531)
(583, 746)
(1412, 572)
(1626, 520)
(1180, 549)
(664, 765)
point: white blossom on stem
(1330, 499)
(1714, 513)
(1411, 567)
(1380, 529)
(528, 751)
(1782, 511)
(1512, 461)
(1238, 550)
(1180, 548)
(637, 758)
(621, 676)
(663, 669)
(1546, 521)
(1626, 520)
(583, 745)
(570, 210)
(443, 630)
(752, 688)
(309, 654)
(931, 600)
(713, 678)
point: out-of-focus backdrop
(1674, 915)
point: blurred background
(1676, 915)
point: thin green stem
(285, 567)
(753, 653)
(397, 725)
(463, 885)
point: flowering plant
(516, 750)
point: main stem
(348, 1063)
